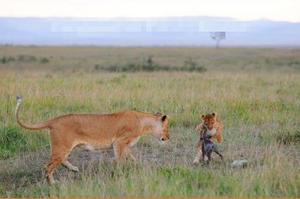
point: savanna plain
(255, 92)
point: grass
(254, 91)
(13, 142)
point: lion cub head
(209, 120)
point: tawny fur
(120, 130)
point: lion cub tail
(38, 126)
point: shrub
(5, 59)
(44, 60)
(149, 65)
(97, 67)
(289, 138)
(23, 58)
(26, 58)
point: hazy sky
(287, 10)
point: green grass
(255, 92)
(137, 180)
(13, 142)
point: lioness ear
(163, 118)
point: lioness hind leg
(54, 162)
(119, 149)
(60, 151)
(57, 158)
(131, 156)
(69, 166)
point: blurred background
(155, 23)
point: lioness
(213, 127)
(119, 130)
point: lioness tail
(28, 126)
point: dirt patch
(29, 169)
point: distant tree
(149, 61)
(218, 36)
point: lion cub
(211, 126)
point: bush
(289, 138)
(97, 67)
(23, 58)
(26, 58)
(5, 59)
(149, 65)
(44, 60)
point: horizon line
(148, 18)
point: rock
(239, 163)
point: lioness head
(162, 128)
(209, 120)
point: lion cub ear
(163, 118)
(203, 116)
(214, 114)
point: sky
(277, 10)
